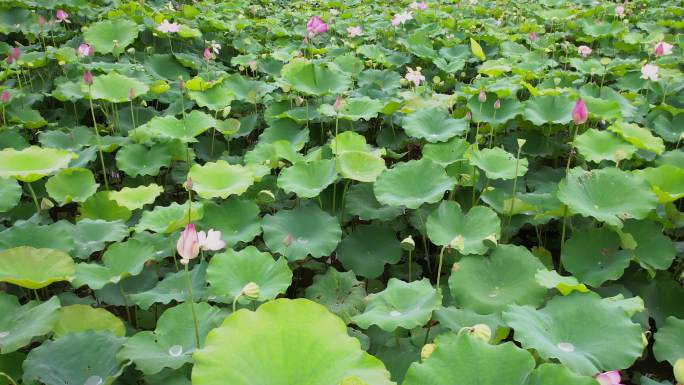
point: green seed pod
(251, 291)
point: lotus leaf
(469, 233)
(220, 179)
(368, 248)
(32, 163)
(397, 187)
(19, 324)
(35, 268)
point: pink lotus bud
(207, 54)
(9, 60)
(337, 106)
(609, 378)
(188, 184)
(287, 241)
(497, 104)
(533, 36)
(181, 83)
(619, 10)
(84, 50)
(15, 53)
(469, 115)
(88, 77)
(482, 97)
(41, 20)
(188, 245)
(579, 112)
(5, 97)
(131, 94)
(62, 16)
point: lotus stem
(125, 302)
(515, 186)
(439, 267)
(98, 140)
(7, 376)
(410, 268)
(235, 302)
(192, 306)
(33, 195)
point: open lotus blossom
(167, 27)
(662, 49)
(334, 12)
(207, 55)
(354, 31)
(418, 5)
(188, 244)
(401, 18)
(579, 112)
(62, 16)
(316, 26)
(84, 50)
(211, 240)
(609, 378)
(5, 97)
(584, 50)
(649, 71)
(619, 10)
(414, 77)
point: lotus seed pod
(46, 204)
(426, 351)
(480, 331)
(251, 291)
(678, 369)
(265, 197)
(408, 243)
(521, 142)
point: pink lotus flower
(401, 18)
(414, 77)
(131, 94)
(41, 20)
(663, 49)
(649, 72)
(188, 245)
(579, 112)
(619, 10)
(211, 240)
(482, 96)
(468, 115)
(5, 97)
(533, 36)
(84, 50)
(87, 78)
(207, 54)
(316, 26)
(497, 104)
(609, 378)
(14, 54)
(337, 106)
(584, 50)
(62, 16)
(354, 31)
(420, 6)
(167, 27)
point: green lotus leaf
(368, 248)
(340, 292)
(354, 109)
(456, 319)
(229, 272)
(669, 341)
(489, 284)
(397, 187)
(556, 374)
(33, 268)
(237, 219)
(640, 137)
(174, 288)
(10, 191)
(596, 146)
(19, 324)
(169, 127)
(71, 185)
(294, 330)
(285, 129)
(119, 261)
(469, 233)
(79, 318)
(349, 141)
(654, 250)
(360, 166)
(167, 219)
(486, 113)
(593, 256)
(360, 201)
(134, 198)
(32, 163)
(99, 206)
(554, 332)
(401, 305)
(116, 88)
(77, 358)
(138, 159)
(433, 125)
(667, 181)
(301, 232)
(109, 36)
(592, 194)
(314, 79)
(446, 153)
(541, 110)
(172, 343)
(30, 233)
(308, 180)
(497, 163)
(215, 98)
(461, 359)
(220, 179)
(550, 279)
(247, 89)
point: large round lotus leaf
(172, 343)
(461, 359)
(20, 324)
(669, 340)
(340, 292)
(220, 179)
(541, 110)
(308, 180)
(368, 248)
(137, 159)
(134, 198)
(556, 374)
(33, 163)
(10, 191)
(85, 358)
(167, 219)
(497, 163)
(433, 125)
(569, 327)
(237, 219)
(361, 201)
(489, 284)
(215, 98)
(354, 109)
(99, 206)
(306, 345)
(361, 166)
(446, 153)
(35, 268)
(468, 233)
(315, 79)
(79, 318)
(401, 305)
(593, 194)
(31, 233)
(550, 279)
(654, 250)
(229, 272)
(397, 186)
(119, 261)
(667, 182)
(455, 319)
(596, 146)
(593, 256)
(486, 113)
(349, 141)
(108, 36)
(169, 127)
(174, 288)
(71, 185)
(300, 232)
(116, 88)
(639, 136)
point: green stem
(10, 379)
(439, 268)
(97, 138)
(410, 262)
(235, 302)
(125, 301)
(33, 195)
(192, 306)
(515, 186)
(424, 238)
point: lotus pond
(444, 192)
